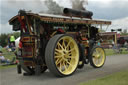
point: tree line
(4, 38)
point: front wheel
(97, 57)
(62, 55)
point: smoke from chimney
(47, 6)
(53, 7)
(79, 4)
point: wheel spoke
(94, 59)
(59, 51)
(58, 56)
(68, 44)
(69, 54)
(71, 57)
(60, 68)
(60, 45)
(97, 52)
(56, 53)
(65, 66)
(100, 55)
(94, 54)
(101, 59)
(63, 44)
(68, 62)
(98, 61)
(58, 61)
(71, 50)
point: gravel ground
(113, 64)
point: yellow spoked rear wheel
(97, 57)
(65, 55)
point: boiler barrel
(78, 13)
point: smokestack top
(78, 13)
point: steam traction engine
(58, 43)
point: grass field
(112, 52)
(120, 78)
(7, 55)
(8, 66)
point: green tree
(3, 40)
(16, 34)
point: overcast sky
(114, 10)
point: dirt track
(113, 64)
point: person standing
(9, 43)
(98, 43)
(126, 45)
(0, 47)
(12, 41)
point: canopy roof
(64, 19)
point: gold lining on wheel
(66, 55)
(98, 57)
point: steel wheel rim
(66, 55)
(98, 57)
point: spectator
(6, 61)
(98, 43)
(113, 43)
(126, 45)
(2, 58)
(12, 41)
(9, 42)
(0, 47)
(122, 41)
(8, 49)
